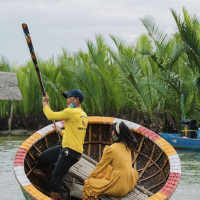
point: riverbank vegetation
(155, 82)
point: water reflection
(188, 187)
(9, 188)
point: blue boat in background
(182, 142)
(189, 138)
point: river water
(188, 188)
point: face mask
(114, 137)
(72, 105)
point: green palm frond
(189, 32)
(4, 65)
(160, 39)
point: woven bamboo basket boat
(156, 161)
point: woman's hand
(45, 100)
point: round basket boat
(155, 160)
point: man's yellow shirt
(76, 122)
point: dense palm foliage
(157, 79)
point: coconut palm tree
(188, 31)
(168, 59)
(95, 75)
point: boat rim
(164, 193)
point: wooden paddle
(33, 56)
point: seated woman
(114, 174)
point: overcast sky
(57, 24)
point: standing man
(69, 152)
